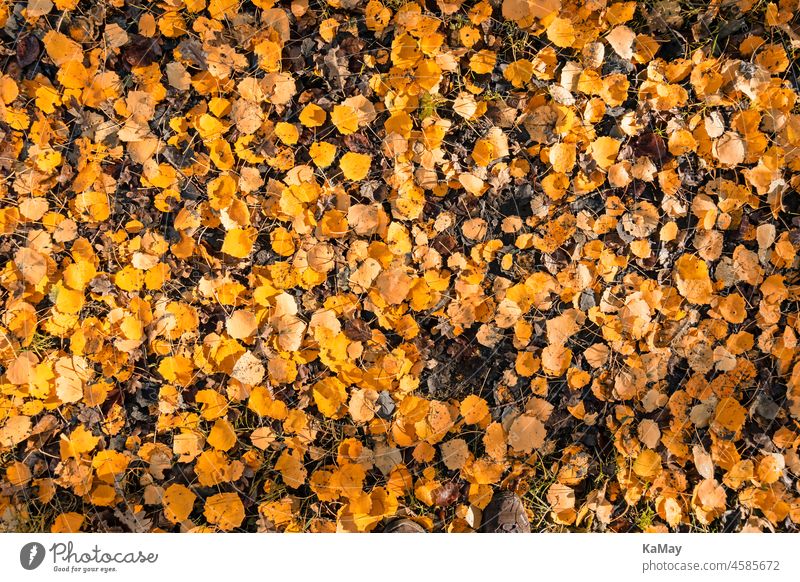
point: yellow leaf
(213, 404)
(322, 153)
(647, 465)
(494, 441)
(269, 55)
(225, 510)
(733, 308)
(69, 522)
(474, 409)
(129, 278)
(355, 166)
(262, 404)
(393, 285)
(31, 264)
(222, 436)
(524, 11)
(483, 62)
(455, 453)
(61, 49)
(483, 152)
(239, 242)
(561, 32)
(103, 495)
(708, 500)
(692, 278)
(519, 73)
(213, 468)
(282, 242)
(330, 394)
(556, 359)
(328, 28)
(472, 183)
(221, 154)
(248, 369)
(68, 300)
(287, 132)
(729, 149)
(345, 118)
(178, 502)
(79, 441)
(362, 404)
(177, 369)
(109, 464)
(620, 12)
(729, 414)
(563, 157)
(312, 115)
(527, 433)
(18, 474)
(241, 324)
(604, 151)
(290, 465)
(14, 430)
(262, 437)
(73, 75)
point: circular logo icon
(31, 555)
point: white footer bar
(332, 557)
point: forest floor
(310, 266)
